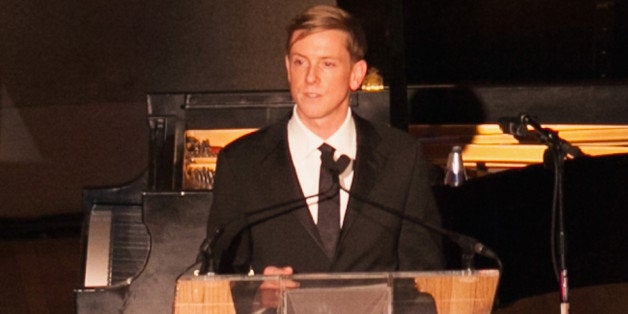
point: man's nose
(312, 75)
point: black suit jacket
(260, 205)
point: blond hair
(325, 17)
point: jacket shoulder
(259, 140)
(385, 133)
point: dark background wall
(74, 78)
(497, 41)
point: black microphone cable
(468, 244)
(206, 255)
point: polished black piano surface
(140, 236)
(511, 212)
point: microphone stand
(206, 253)
(555, 155)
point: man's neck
(325, 127)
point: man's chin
(310, 114)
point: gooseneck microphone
(206, 251)
(207, 256)
(467, 244)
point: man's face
(321, 77)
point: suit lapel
(369, 161)
(278, 171)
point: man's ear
(287, 61)
(358, 71)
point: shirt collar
(304, 142)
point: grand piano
(139, 237)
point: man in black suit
(272, 176)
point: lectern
(460, 292)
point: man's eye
(329, 64)
(298, 62)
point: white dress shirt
(306, 158)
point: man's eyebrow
(324, 58)
(296, 54)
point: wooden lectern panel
(463, 293)
(206, 296)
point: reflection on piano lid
(485, 145)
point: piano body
(139, 237)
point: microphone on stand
(467, 244)
(551, 138)
(513, 126)
(554, 156)
(518, 127)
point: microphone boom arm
(551, 138)
(467, 244)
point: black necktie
(329, 202)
